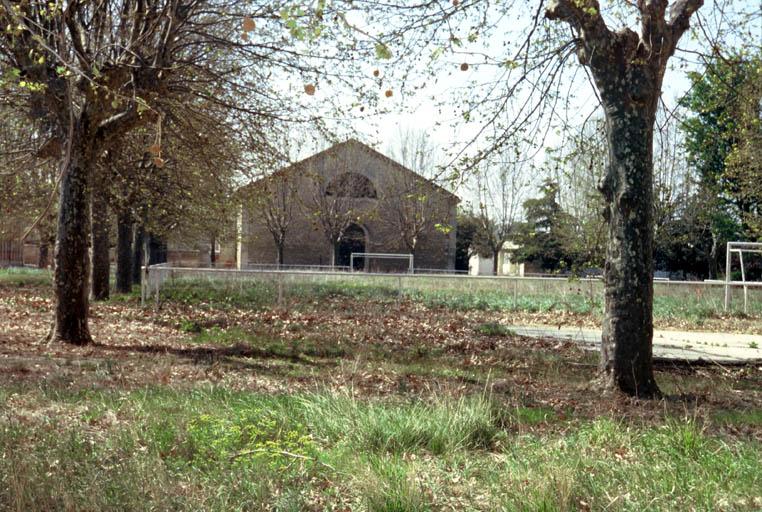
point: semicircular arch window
(351, 184)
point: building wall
(306, 243)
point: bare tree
(414, 208)
(337, 196)
(500, 189)
(578, 170)
(275, 198)
(627, 68)
(415, 150)
(27, 184)
(414, 205)
(335, 202)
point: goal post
(370, 256)
(739, 248)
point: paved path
(681, 345)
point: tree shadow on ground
(238, 355)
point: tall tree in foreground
(628, 69)
(91, 71)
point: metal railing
(11, 253)
(739, 248)
(707, 294)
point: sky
(424, 110)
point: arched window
(351, 184)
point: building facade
(346, 199)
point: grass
(692, 308)
(215, 449)
(494, 329)
(347, 403)
(24, 277)
(264, 346)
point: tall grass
(213, 449)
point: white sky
(444, 125)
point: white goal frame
(380, 255)
(739, 248)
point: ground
(350, 401)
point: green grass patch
(214, 449)
(22, 277)
(262, 345)
(739, 418)
(494, 329)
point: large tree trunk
(71, 254)
(123, 253)
(628, 70)
(627, 341)
(100, 233)
(495, 259)
(137, 253)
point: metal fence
(11, 253)
(709, 295)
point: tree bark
(71, 277)
(212, 254)
(280, 255)
(42, 257)
(100, 235)
(712, 267)
(123, 253)
(495, 258)
(137, 252)
(627, 341)
(157, 249)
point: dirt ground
(369, 348)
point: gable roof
(337, 148)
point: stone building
(348, 198)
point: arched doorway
(353, 240)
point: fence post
(143, 285)
(158, 280)
(727, 276)
(745, 288)
(280, 289)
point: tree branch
(584, 16)
(652, 24)
(679, 18)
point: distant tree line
(707, 186)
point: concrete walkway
(678, 345)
